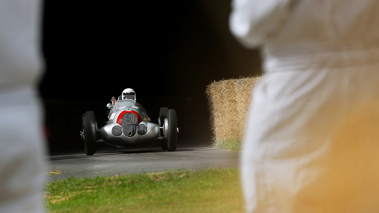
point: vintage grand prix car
(128, 125)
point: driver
(127, 94)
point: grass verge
(175, 191)
(233, 144)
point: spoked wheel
(88, 133)
(170, 133)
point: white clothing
(22, 147)
(321, 63)
(22, 153)
(20, 57)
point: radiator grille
(129, 123)
(129, 118)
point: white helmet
(128, 93)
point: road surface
(112, 161)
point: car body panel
(129, 125)
(126, 105)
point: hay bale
(229, 102)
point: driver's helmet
(128, 93)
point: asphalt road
(109, 161)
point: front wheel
(89, 126)
(170, 133)
(163, 111)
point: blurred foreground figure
(312, 141)
(22, 151)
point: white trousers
(22, 152)
(312, 142)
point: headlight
(117, 130)
(141, 129)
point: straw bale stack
(229, 102)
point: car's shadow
(113, 151)
(105, 149)
(142, 150)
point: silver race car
(128, 125)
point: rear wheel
(89, 126)
(170, 130)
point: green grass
(177, 191)
(233, 144)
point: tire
(163, 111)
(89, 126)
(170, 130)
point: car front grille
(129, 123)
(129, 118)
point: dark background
(168, 52)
